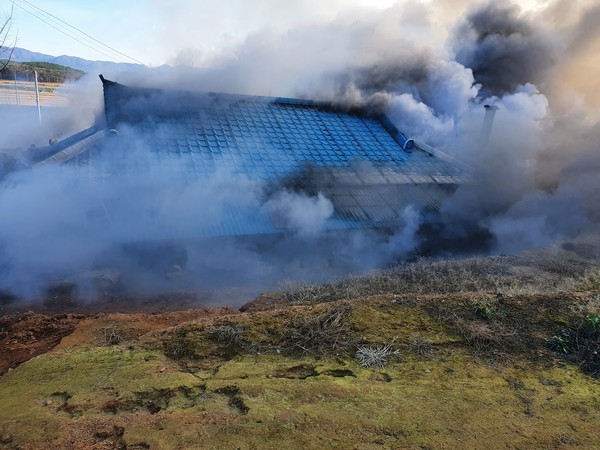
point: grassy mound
(454, 371)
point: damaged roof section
(360, 162)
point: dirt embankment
(24, 336)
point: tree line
(47, 72)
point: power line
(62, 30)
(81, 31)
(65, 33)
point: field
(479, 353)
(23, 93)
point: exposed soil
(24, 336)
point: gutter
(444, 156)
(73, 150)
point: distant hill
(47, 72)
(24, 55)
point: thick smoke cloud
(536, 179)
(503, 48)
(157, 228)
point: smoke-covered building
(172, 176)
(361, 163)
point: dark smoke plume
(503, 49)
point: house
(366, 167)
(355, 165)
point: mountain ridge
(75, 62)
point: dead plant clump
(319, 335)
(580, 345)
(376, 356)
(179, 344)
(230, 337)
(420, 347)
(111, 335)
(496, 328)
(483, 336)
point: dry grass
(572, 266)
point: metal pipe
(488, 122)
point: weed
(375, 356)
(482, 309)
(592, 321)
(559, 343)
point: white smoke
(305, 215)
(429, 70)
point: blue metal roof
(356, 160)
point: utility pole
(37, 98)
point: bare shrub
(227, 335)
(485, 337)
(230, 336)
(320, 335)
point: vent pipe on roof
(408, 145)
(488, 122)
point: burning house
(214, 168)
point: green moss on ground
(247, 391)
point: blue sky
(153, 31)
